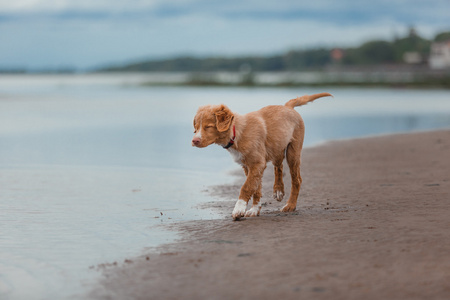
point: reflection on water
(89, 169)
(58, 221)
(338, 127)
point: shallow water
(91, 166)
(58, 221)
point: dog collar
(231, 142)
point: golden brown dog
(269, 134)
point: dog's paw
(288, 208)
(253, 211)
(239, 209)
(278, 195)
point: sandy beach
(372, 223)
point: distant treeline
(370, 53)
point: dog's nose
(196, 141)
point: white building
(440, 55)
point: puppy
(269, 134)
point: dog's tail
(299, 101)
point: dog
(254, 139)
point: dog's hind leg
(278, 185)
(293, 159)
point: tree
(442, 37)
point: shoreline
(371, 223)
(224, 79)
(443, 83)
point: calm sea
(93, 166)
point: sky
(85, 34)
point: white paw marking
(239, 209)
(254, 210)
(286, 208)
(278, 195)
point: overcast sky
(91, 33)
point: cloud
(248, 9)
(341, 12)
(48, 6)
(85, 33)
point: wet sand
(373, 222)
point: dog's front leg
(256, 207)
(239, 209)
(245, 170)
(250, 187)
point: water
(92, 165)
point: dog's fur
(269, 134)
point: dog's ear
(224, 118)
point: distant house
(412, 58)
(337, 55)
(440, 55)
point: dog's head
(211, 125)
